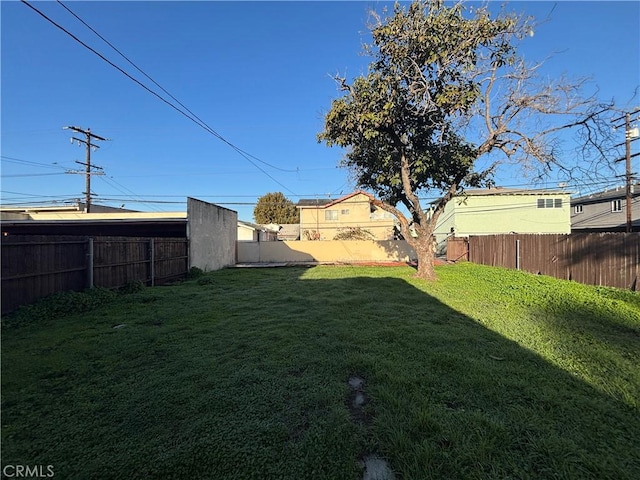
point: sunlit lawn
(242, 373)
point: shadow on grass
(244, 373)
(598, 341)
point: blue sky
(257, 73)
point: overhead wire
(598, 183)
(121, 188)
(189, 115)
(202, 122)
(13, 175)
(20, 161)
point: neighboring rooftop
(313, 202)
(618, 192)
(262, 228)
(324, 203)
(512, 191)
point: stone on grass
(356, 383)
(376, 468)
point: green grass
(242, 373)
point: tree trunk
(425, 251)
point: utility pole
(88, 172)
(630, 134)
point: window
(344, 212)
(549, 203)
(331, 215)
(616, 205)
(577, 209)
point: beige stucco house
(324, 219)
(504, 210)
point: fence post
(89, 262)
(517, 254)
(152, 262)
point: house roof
(312, 202)
(76, 207)
(289, 231)
(255, 226)
(502, 191)
(250, 225)
(512, 191)
(606, 195)
(325, 203)
(137, 227)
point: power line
(32, 195)
(603, 183)
(201, 123)
(111, 182)
(29, 163)
(189, 115)
(31, 174)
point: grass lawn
(244, 373)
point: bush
(133, 287)
(195, 272)
(354, 233)
(58, 304)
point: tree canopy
(445, 89)
(275, 208)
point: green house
(504, 210)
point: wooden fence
(34, 266)
(457, 249)
(608, 259)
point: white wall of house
(247, 233)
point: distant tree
(447, 99)
(275, 208)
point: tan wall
(348, 251)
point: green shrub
(133, 287)
(195, 272)
(58, 304)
